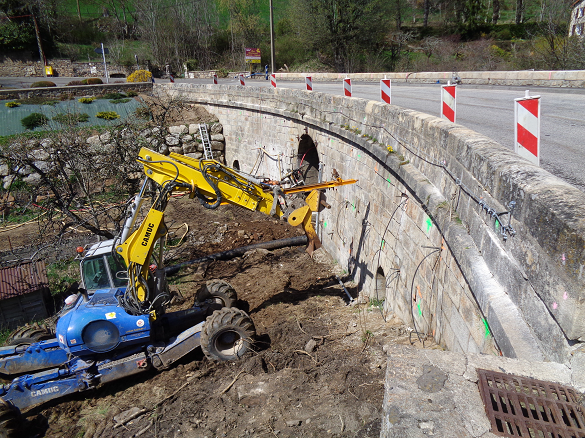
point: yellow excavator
(121, 328)
(213, 184)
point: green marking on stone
(497, 225)
(324, 224)
(487, 328)
(389, 182)
(353, 205)
(383, 243)
(359, 156)
(419, 311)
(429, 223)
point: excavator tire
(227, 334)
(221, 292)
(10, 421)
(29, 334)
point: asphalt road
(488, 110)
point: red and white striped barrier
(527, 128)
(242, 80)
(449, 102)
(309, 83)
(214, 79)
(273, 80)
(347, 87)
(385, 90)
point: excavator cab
(100, 269)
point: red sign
(253, 55)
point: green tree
(341, 31)
(16, 36)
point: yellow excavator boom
(214, 184)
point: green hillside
(328, 35)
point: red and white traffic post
(527, 127)
(309, 83)
(273, 80)
(214, 79)
(242, 80)
(385, 90)
(347, 87)
(449, 102)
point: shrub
(34, 120)
(50, 102)
(131, 93)
(113, 96)
(142, 112)
(86, 100)
(40, 84)
(71, 118)
(12, 104)
(140, 76)
(119, 100)
(74, 83)
(108, 115)
(91, 81)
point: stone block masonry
(430, 225)
(75, 90)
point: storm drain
(523, 407)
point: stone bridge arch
(433, 205)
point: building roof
(22, 279)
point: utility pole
(105, 65)
(41, 53)
(272, 37)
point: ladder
(207, 153)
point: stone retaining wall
(75, 90)
(61, 67)
(424, 228)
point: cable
(412, 288)
(382, 242)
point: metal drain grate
(524, 407)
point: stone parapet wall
(425, 225)
(75, 90)
(569, 78)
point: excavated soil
(317, 369)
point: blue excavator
(115, 324)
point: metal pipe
(344, 289)
(236, 252)
(134, 211)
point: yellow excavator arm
(213, 184)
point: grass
(366, 336)
(4, 333)
(62, 274)
(374, 302)
(20, 215)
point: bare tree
(78, 183)
(495, 11)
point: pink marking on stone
(555, 305)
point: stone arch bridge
(459, 236)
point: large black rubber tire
(10, 420)
(221, 292)
(227, 334)
(29, 334)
